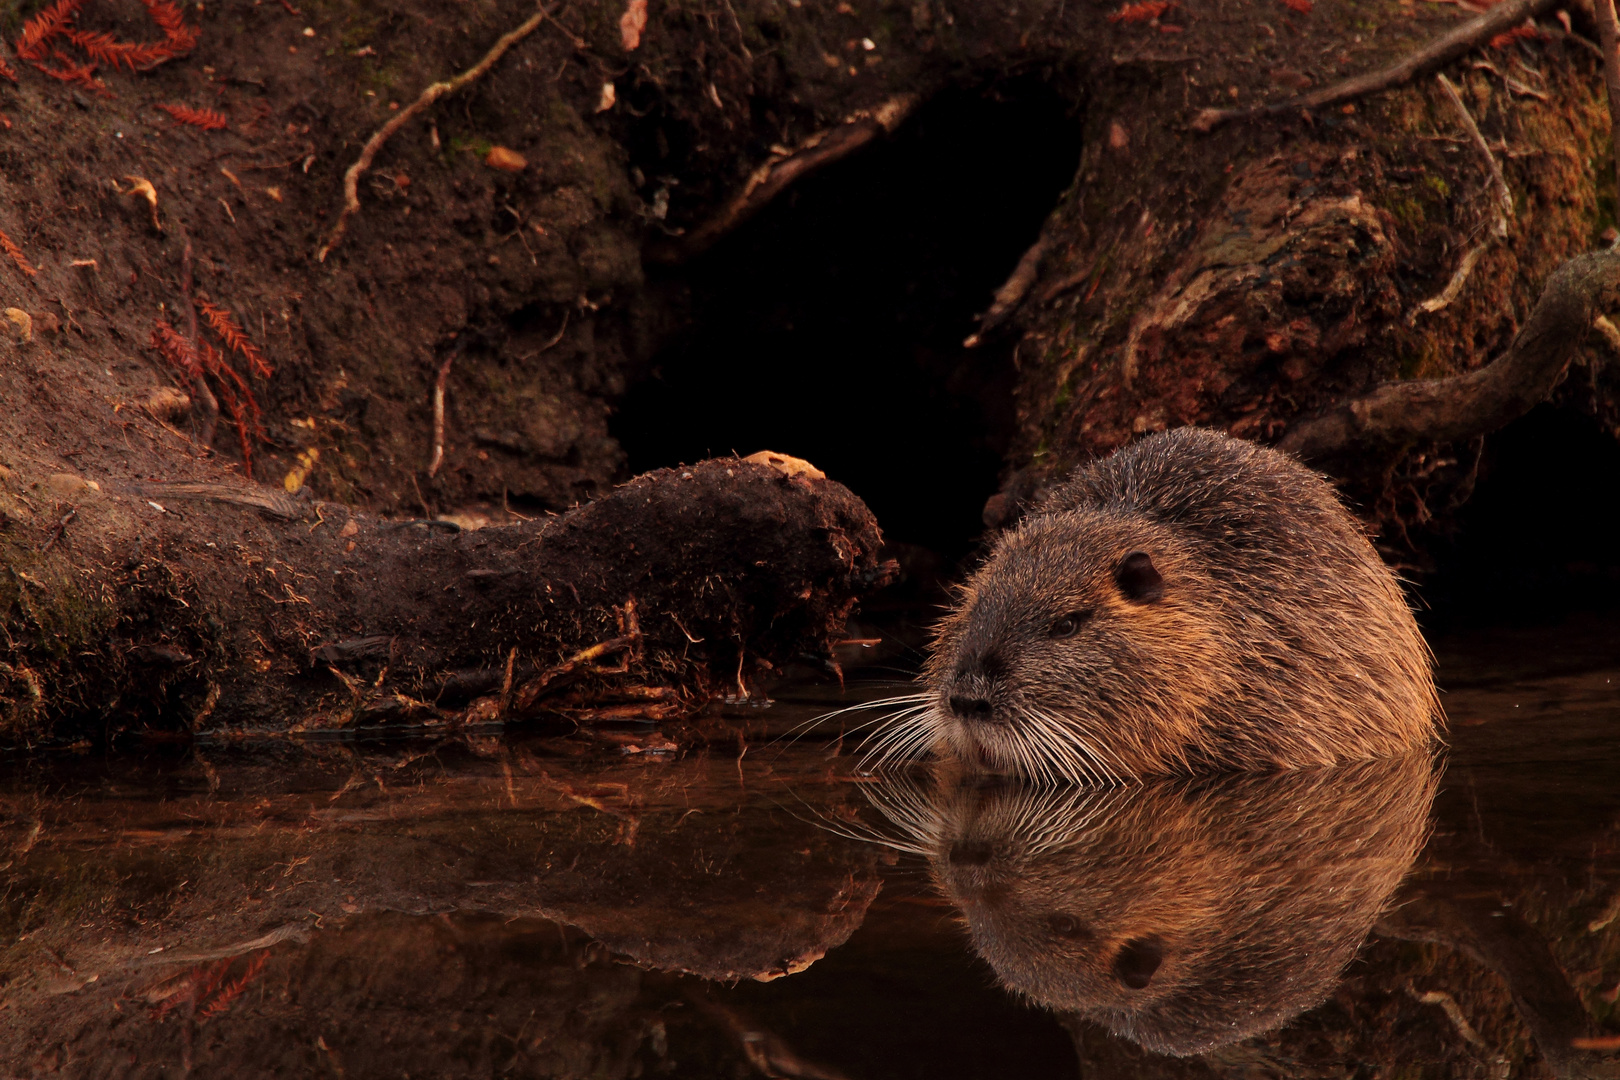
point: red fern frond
(1146, 11)
(234, 394)
(234, 338)
(38, 31)
(207, 119)
(176, 350)
(177, 35)
(83, 74)
(10, 248)
(1303, 7)
(106, 49)
(233, 989)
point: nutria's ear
(1138, 579)
(1136, 962)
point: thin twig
(438, 414)
(1610, 33)
(351, 179)
(1504, 210)
(61, 527)
(1503, 196)
(1439, 52)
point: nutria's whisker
(905, 737)
(798, 731)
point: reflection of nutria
(1191, 603)
(1182, 914)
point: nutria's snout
(1192, 603)
(972, 691)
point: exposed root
(351, 179)
(772, 178)
(1398, 415)
(627, 645)
(438, 415)
(1439, 52)
(1011, 293)
(1499, 228)
(1610, 33)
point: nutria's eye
(1067, 926)
(1069, 625)
(1138, 579)
(1137, 960)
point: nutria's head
(1081, 650)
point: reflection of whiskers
(1032, 819)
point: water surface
(508, 905)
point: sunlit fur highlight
(1281, 640)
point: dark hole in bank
(830, 327)
(1540, 538)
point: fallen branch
(1439, 52)
(772, 178)
(380, 620)
(1382, 424)
(1499, 228)
(351, 179)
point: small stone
(22, 324)
(167, 404)
(66, 485)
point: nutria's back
(1193, 602)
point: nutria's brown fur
(1192, 603)
(1182, 914)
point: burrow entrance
(830, 327)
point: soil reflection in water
(505, 907)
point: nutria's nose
(970, 708)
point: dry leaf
(140, 185)
(609, 96)
(632, 23)
(506, 160)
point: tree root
(1610, 34)
(1499, 228)
(1395, 416)
(771, 179)
(1439, 52)
(351, 179)
(1012, 292)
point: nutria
(1183, 914)
(1192, 603)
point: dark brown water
(503, 906)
